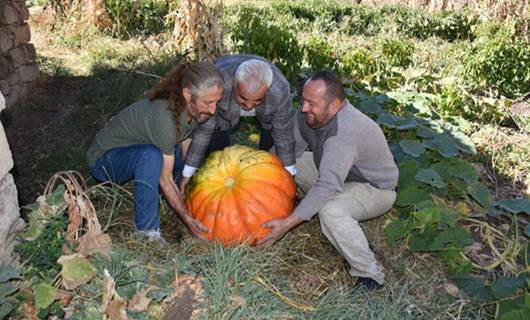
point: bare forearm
(173, 196)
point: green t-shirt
(143, 122)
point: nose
(211, 108)
(304, 107)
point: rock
(22, 34)
(18, 56)
(10, 15)
(5, 67)
(6, 41)
(6, 160)
(29, 51)
(11, 221)
(29, 72)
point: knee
(330, 216)
(151, 156)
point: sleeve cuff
(188, 171)
(291, 169)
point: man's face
(318, 111)
(247, 100)
(203, 107)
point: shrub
(397, 53)
(132, 17)
(321, 55)
(500, 60)
(359, 63)
(255, 33)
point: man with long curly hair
(140, 142)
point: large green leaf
(8, 272)
(480, 193)
(430, 177)
(44, 294)
(421, 241)
(463, 170)
(514, 206)
(454, 236)
(425, 132)
(445, 145)
(412, 147)
(411, 195)
(504, 287)
(397, 229)
(407, 171)
(473, 286)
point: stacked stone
(10, 221)
(17, 56)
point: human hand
(183, 184)
(196, 227)
(279, 228)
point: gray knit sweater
(350, 147)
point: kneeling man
(349, 175)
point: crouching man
(349, 175)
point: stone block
(6, 41)
(2, 100)
(6, 160)
(10, 15)
(22, 9)
(4, 88)
(29, 51)
(6, 67)
(29, 72)
(22, 34)
(14, 78)
(18, 56)
(15, 94)
(11, 224)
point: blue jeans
(143, 164)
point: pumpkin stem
(229, 182)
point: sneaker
(153, 236)
(367, 283)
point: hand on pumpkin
(279, 228)
(196, 227)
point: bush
(500, 60)
(397, 53)
(359, 63)
(255, 32)
(133, 17)
(321, 55)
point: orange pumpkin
(237, 190)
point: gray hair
(254, 73)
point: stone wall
(10, 221)
(18, 68)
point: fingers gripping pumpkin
(237, 190)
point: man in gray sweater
(349, 174)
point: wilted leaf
(112, 304)
(412, 147)
(44, 294)
(29, 311)
(139, 302)
(76, 271)
(91, 243)
(451, 289)
(188, 292)
(430, 177)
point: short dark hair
(334, 88)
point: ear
(186, 94)
(335, 105)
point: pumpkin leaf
(411, 195)
(480, 193)
(412, 147)
(514, 206)
(430, 177)
(463, 170)
(473, 286)
(504, 287)
(76, 271)
(456, 236)
(8, 272)
(425, 132)
(45, 294)
(445, 145)
(397, 229)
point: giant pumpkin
(237, 190)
